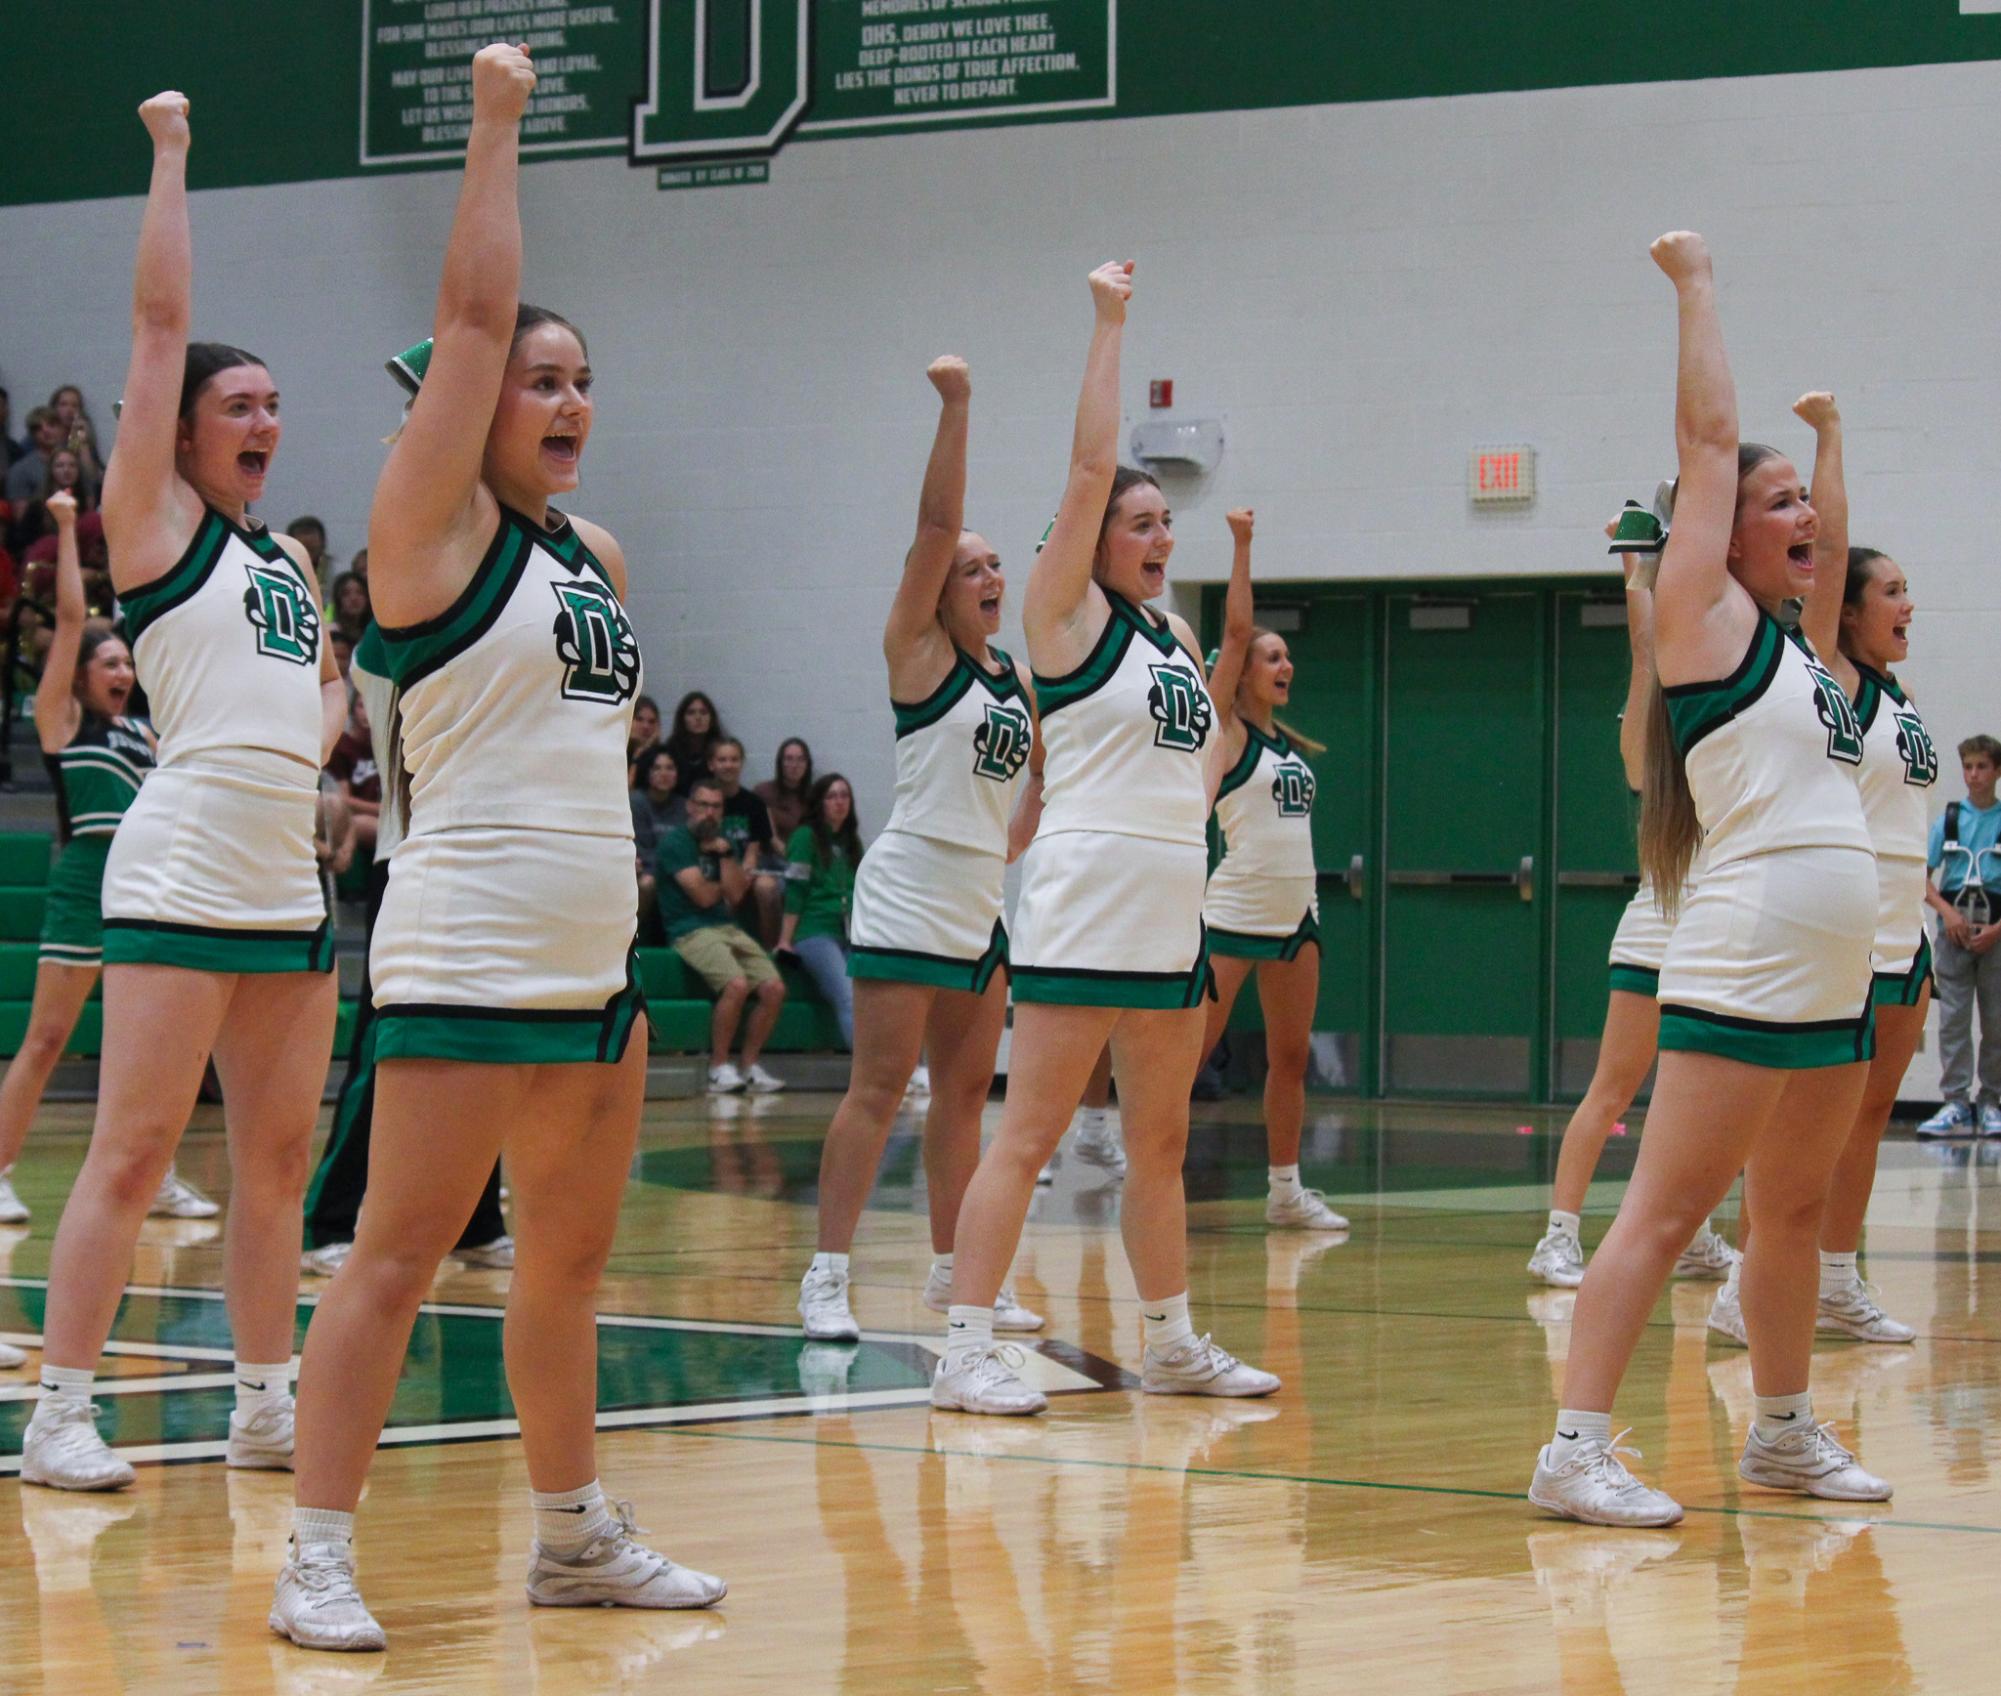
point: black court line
(1240, 1476)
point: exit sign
(1501, 476)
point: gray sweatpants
(1966, 980)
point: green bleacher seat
(17, 971)
(13, 1025)
(25, 857)
(21, 912)
(679, 1004)
(678, 1026)
(88, 1040)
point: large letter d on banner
(724, 77)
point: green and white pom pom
(409, 366)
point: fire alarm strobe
(1160, 392)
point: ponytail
(1670, 833)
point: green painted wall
(287, 77)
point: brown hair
(204, 363)
(528, 318)
(1982, 744)
(1126, 477)
(1670, 831)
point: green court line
(1297, 1478)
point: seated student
(1965, 859)
(784, 792)
(819, 890)
(747, 823)
(700, 880)
(352, 766)
(641, 739)
(657, 808)
(696, 729)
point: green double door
(1472, 830)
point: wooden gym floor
(1363, 1531)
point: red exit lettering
(1500, 471)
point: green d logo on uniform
(1292, 789)
(1000, 745)
(282, 613)
(1920, 757)
(1181, 711)
(1844, 735)
(594, 641)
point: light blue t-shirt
(1980, 833)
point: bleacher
(678, 1003)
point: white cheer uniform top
(960, 753)
(368, 671)
(513, 705)
(1772, 752)
(1899, 765)
(227, 647)
(1264, 809)
(1123, 734)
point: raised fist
(62, 508)
(1818, 409)
(166, 118)
(1682, 254)
(1111, 288)
(502, 80)
(1240, 520)
(951, 377)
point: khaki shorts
(723, 952)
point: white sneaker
(823, 1305)
(263, 1442)
(920, 1082)
(1306, 1211)
(614, 1570)
(496, 1256)
(1558, 1260)
(1097, 1140)
(316, 1604)
(325, 1260)
(1200, 1368)
(179, 1199)
(1048, 1173)
(724, 1079)
(760, 1082)
(984, 1381)
(1594, 1486)
(1009, 1314)
(1809, 1462)
(1990, 1115)
(1726, 1315)
(1954, 1119)
(1854, 1311)
(61, 1448)
(13, 1211)
(1707, 1256)
(11, 1356)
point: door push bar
(1598, 880)
(1521, 879)
(1355, 878)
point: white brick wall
(1362, 293)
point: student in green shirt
(819, 888)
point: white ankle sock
(566, 1520)
(1837, 1272)
(1777, 1416)
(322, 1525)
(968, 1330)
(1564, 1224)
(1285, 1184)
(1167, 1323)
(71, 1384)
(1574, 1427)
(941, 1267)
(1090, 1119)
(824, 1262)
(261, 1386)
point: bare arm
(1027, 819)
(1239, 615)
(56, 710)
(428, 497)
(147, 508)
(1060, 583)
(1820, 618)
(941, 513)
(1700, 615)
